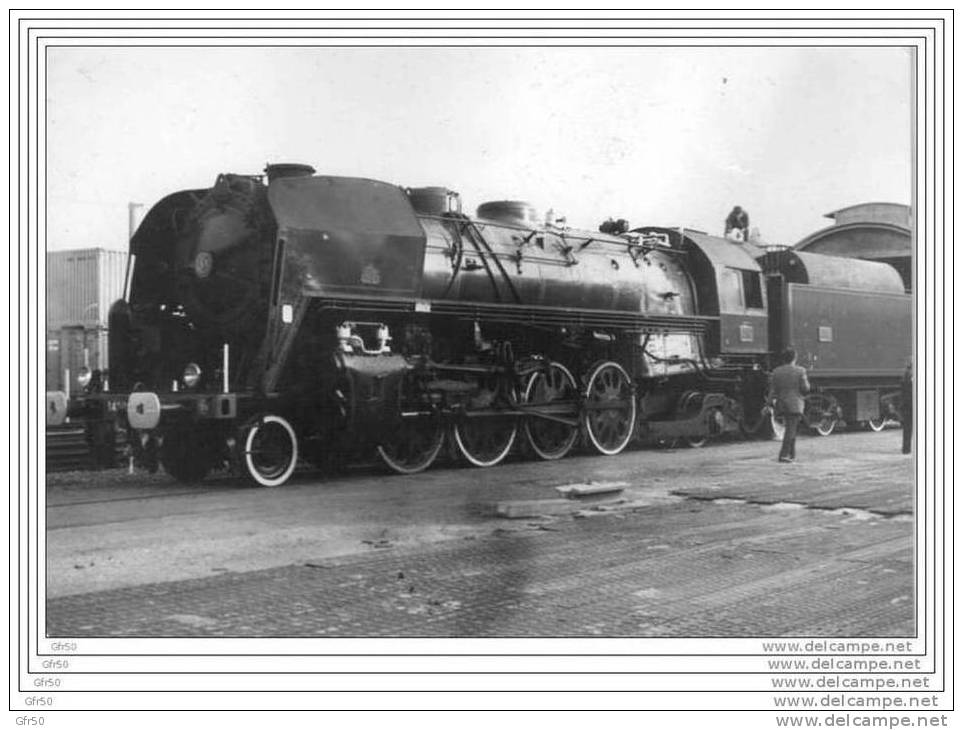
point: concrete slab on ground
(869, 481)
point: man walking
(789, 385)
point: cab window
(752, 289)
(739, 289)
(730, 290)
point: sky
(659, 136)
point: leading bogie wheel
(185, 456)
(415, 446)
(609, 416)
(554, 385)
(268, 450)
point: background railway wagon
(81, 284)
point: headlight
(192, 374)
(83, 376)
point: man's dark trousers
(788, 450)
(908, 432)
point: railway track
(67, 449)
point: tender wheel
(269, 451)
(185, 456)
(485, 440)
(825, 425)
(414, 448)
(555, 385)
(609, 417)
(695, 442)
(820, 415)
(876, 424)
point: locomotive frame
(316, 317)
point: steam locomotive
(296, 316)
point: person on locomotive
(737, 224)
(788, 386)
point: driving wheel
(415, 446)
(609, 416)
(552, 388)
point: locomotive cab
(730, 289)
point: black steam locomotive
(315, 317)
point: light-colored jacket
(788, 386)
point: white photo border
(715, 674)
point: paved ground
(721, 541)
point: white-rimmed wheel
(269, 450)
(876, 424)
(553, 386)
(414, 447)
(695, 442)
(820, 414)
(609, 416)
(484, 440)
(825, 425)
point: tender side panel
(849, 333)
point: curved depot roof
(877, 212)
(866, 230)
